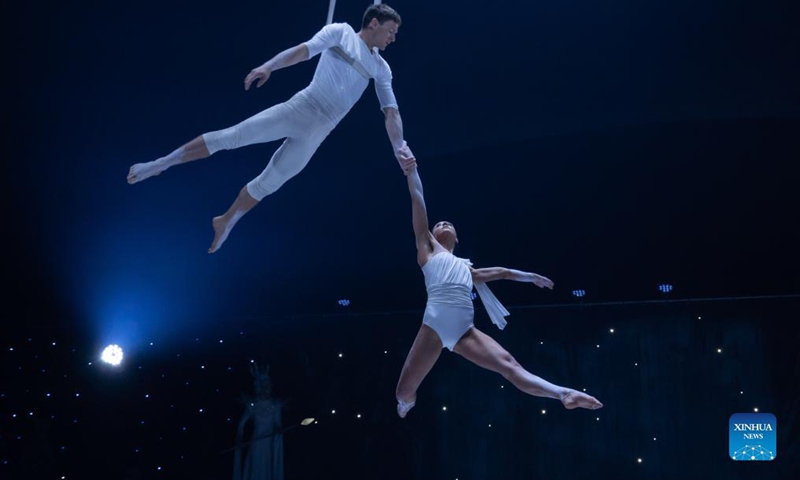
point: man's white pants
(300, 120)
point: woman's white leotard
(449, 311)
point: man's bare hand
(261, 74)
(406, 158)
(407, 164)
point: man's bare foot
(404, 407)
(143, 171)
(575, 399)
(222, 227)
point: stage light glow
(112, 355)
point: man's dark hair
(382, 12)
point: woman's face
(443, 230)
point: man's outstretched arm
(287, 58)
(394, 128)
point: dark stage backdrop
(670, 375)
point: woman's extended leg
(485, 352)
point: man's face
(385, 33)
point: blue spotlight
(343, 303)
(665, 288)
(579, 293)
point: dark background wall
(667, 392)
(612, 147)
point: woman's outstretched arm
(419, 214)
(491, 274)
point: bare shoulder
(424, 255)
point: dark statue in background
(260, 456)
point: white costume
(345, 67)
(449, 310)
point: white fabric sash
(497, 312)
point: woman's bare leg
(485, 352)
(423, 355)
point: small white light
(544, 411)
(755, 409)
(340, 355)
(639, 460)
(612, 330)
(358, 416)
(444, 408)
(598, 346)
(333, 412)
